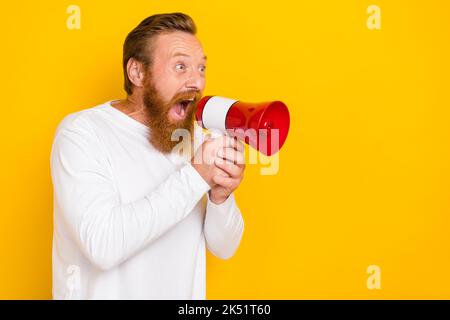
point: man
(132, 217)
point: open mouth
(179, 110)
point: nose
(195, 82)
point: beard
(161, 126)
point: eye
(180, 67)
(202, 69)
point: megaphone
(264, 126)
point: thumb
(208, 137)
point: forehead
(168, 45)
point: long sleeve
(224, 227)
(107, 231)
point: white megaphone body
(264, 126)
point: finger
(232, 155)
(220, 171)
(225, 182)
(229, 142)
(236, 144)
(240, 146)
(231, 169)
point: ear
(136, 72)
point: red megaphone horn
(264, 126)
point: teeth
(186, 102)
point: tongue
(178, 112)
(178, 108)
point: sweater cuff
(222, 207)
(197, 183)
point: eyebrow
(185, 55)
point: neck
(132, 107)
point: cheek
(167, 86)
(202, 84)
(164, 80)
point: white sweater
(129, 221)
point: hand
(230, 159)
(206, 155)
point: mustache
(186, 95)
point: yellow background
(364, 176)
